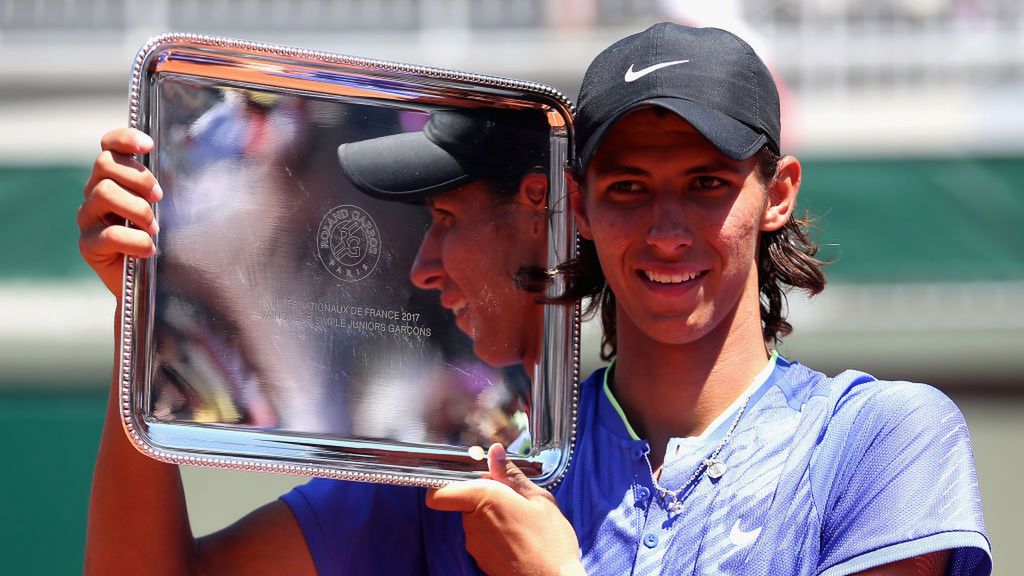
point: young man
(698, 451)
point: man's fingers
(114, 241)
(498, 464)
(126, 172)
(466, 496)
(115, 163)
(502, 469)
(109, 198)
(126, 141)
(105, 251)
(119, 189)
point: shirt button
(638, 453)
(650, 540)
(642, 493)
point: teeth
(669, 278)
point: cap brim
(732, 137)
(403, 167)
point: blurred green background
(914, 166)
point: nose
(669, 229)
(427, 270)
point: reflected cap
(454, 148)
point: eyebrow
(622, 171)
(713, 168)
(710, 168)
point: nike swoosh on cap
(740, 538)
(632, 75)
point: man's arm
(881, 501)
(138, 522)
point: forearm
(137, 514)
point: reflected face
(675, 223)
(471, 254)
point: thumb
(503, 470)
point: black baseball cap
(454, 148)
(709, 77)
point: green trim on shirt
(615, 403)
(758, 380)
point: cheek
(480, 262)
(611, 239)
(516, 243)
(736, 241)
(458, 262)
(613, 229)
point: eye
(626, 187)
(708, 183)
(441, 216)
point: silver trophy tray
(301, 316)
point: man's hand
(119, 189)
(512, 525)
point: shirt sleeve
(357, 528)
(904, 482)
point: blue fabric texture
(825, 476)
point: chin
(677, 329)
(498, 358)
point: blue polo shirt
(824, 476)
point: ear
(533, 192)
(578, 205)
(533, 189)
(782, 192)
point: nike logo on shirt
(740, 538)
(632, 75)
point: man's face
(675, 223)
(472, 252)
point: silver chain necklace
(715, 469)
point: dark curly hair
(786, 259)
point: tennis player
(701, 451)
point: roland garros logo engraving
(349, 243)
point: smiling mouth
(670, 278)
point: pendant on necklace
(716, 468)
(675, 506)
